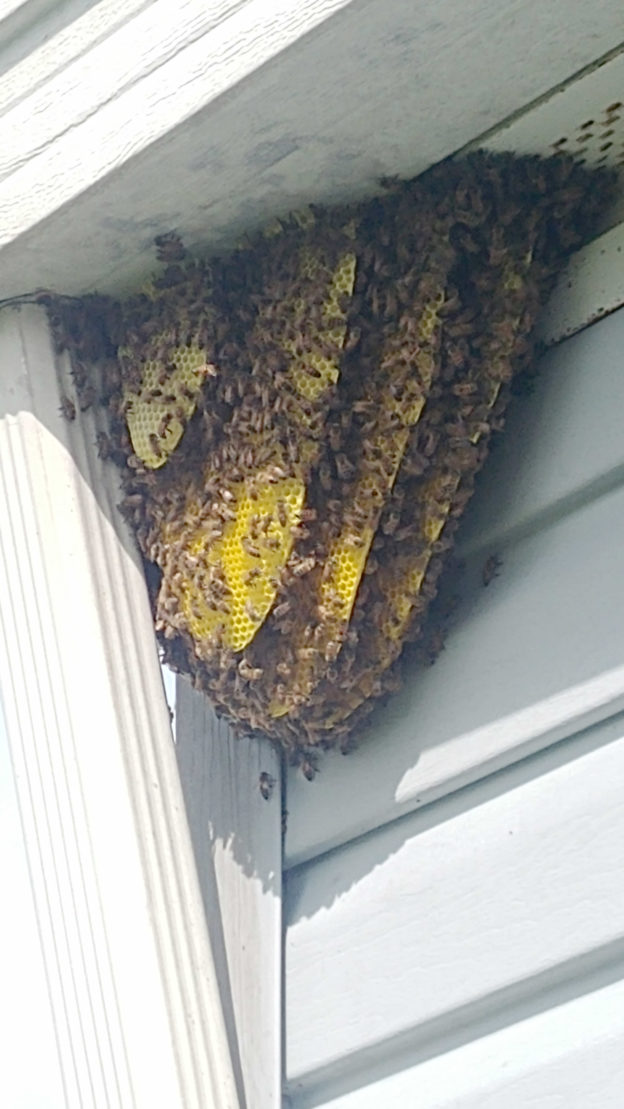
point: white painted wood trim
(147, 77)
(130, 970)
(237, 836)
(29, 64)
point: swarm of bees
(300, 424)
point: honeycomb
(257, 542)
(159, 411)
(246, 562)
(347, 555)
(326, 370)
(310, 412)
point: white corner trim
(130, 971)
(129, 90)
(237, 836)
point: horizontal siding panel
(538, 654)
(432, 922)
(569, 1055)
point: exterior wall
(462, 944)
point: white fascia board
(124, 93)
(131, 974)
(212, 119)
(44, 36)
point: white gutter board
(539, 652)
(210, 105)
(130, 970)
(237, 838)
(403, 939)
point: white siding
(565, 1053)
(471, 953)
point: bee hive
(301, 423)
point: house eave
(213, 121)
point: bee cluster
(300, 424)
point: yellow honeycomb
(402, 588)
(258, 541)
(342, 280)
(346, 559)
(246, 562)
(156, 422)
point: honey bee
(104, 445)
(325, 477)
(169, 247)
(249, 673)
(464, 389)
(87, 396)
(435, 645)
(491, 568)
(132, 501)
(303, 566)
(308, 768)
(155, 446)
(252, 575)
(67, 408)
(344, 467)
(390, 181)
(266, 784)
(207, 370)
